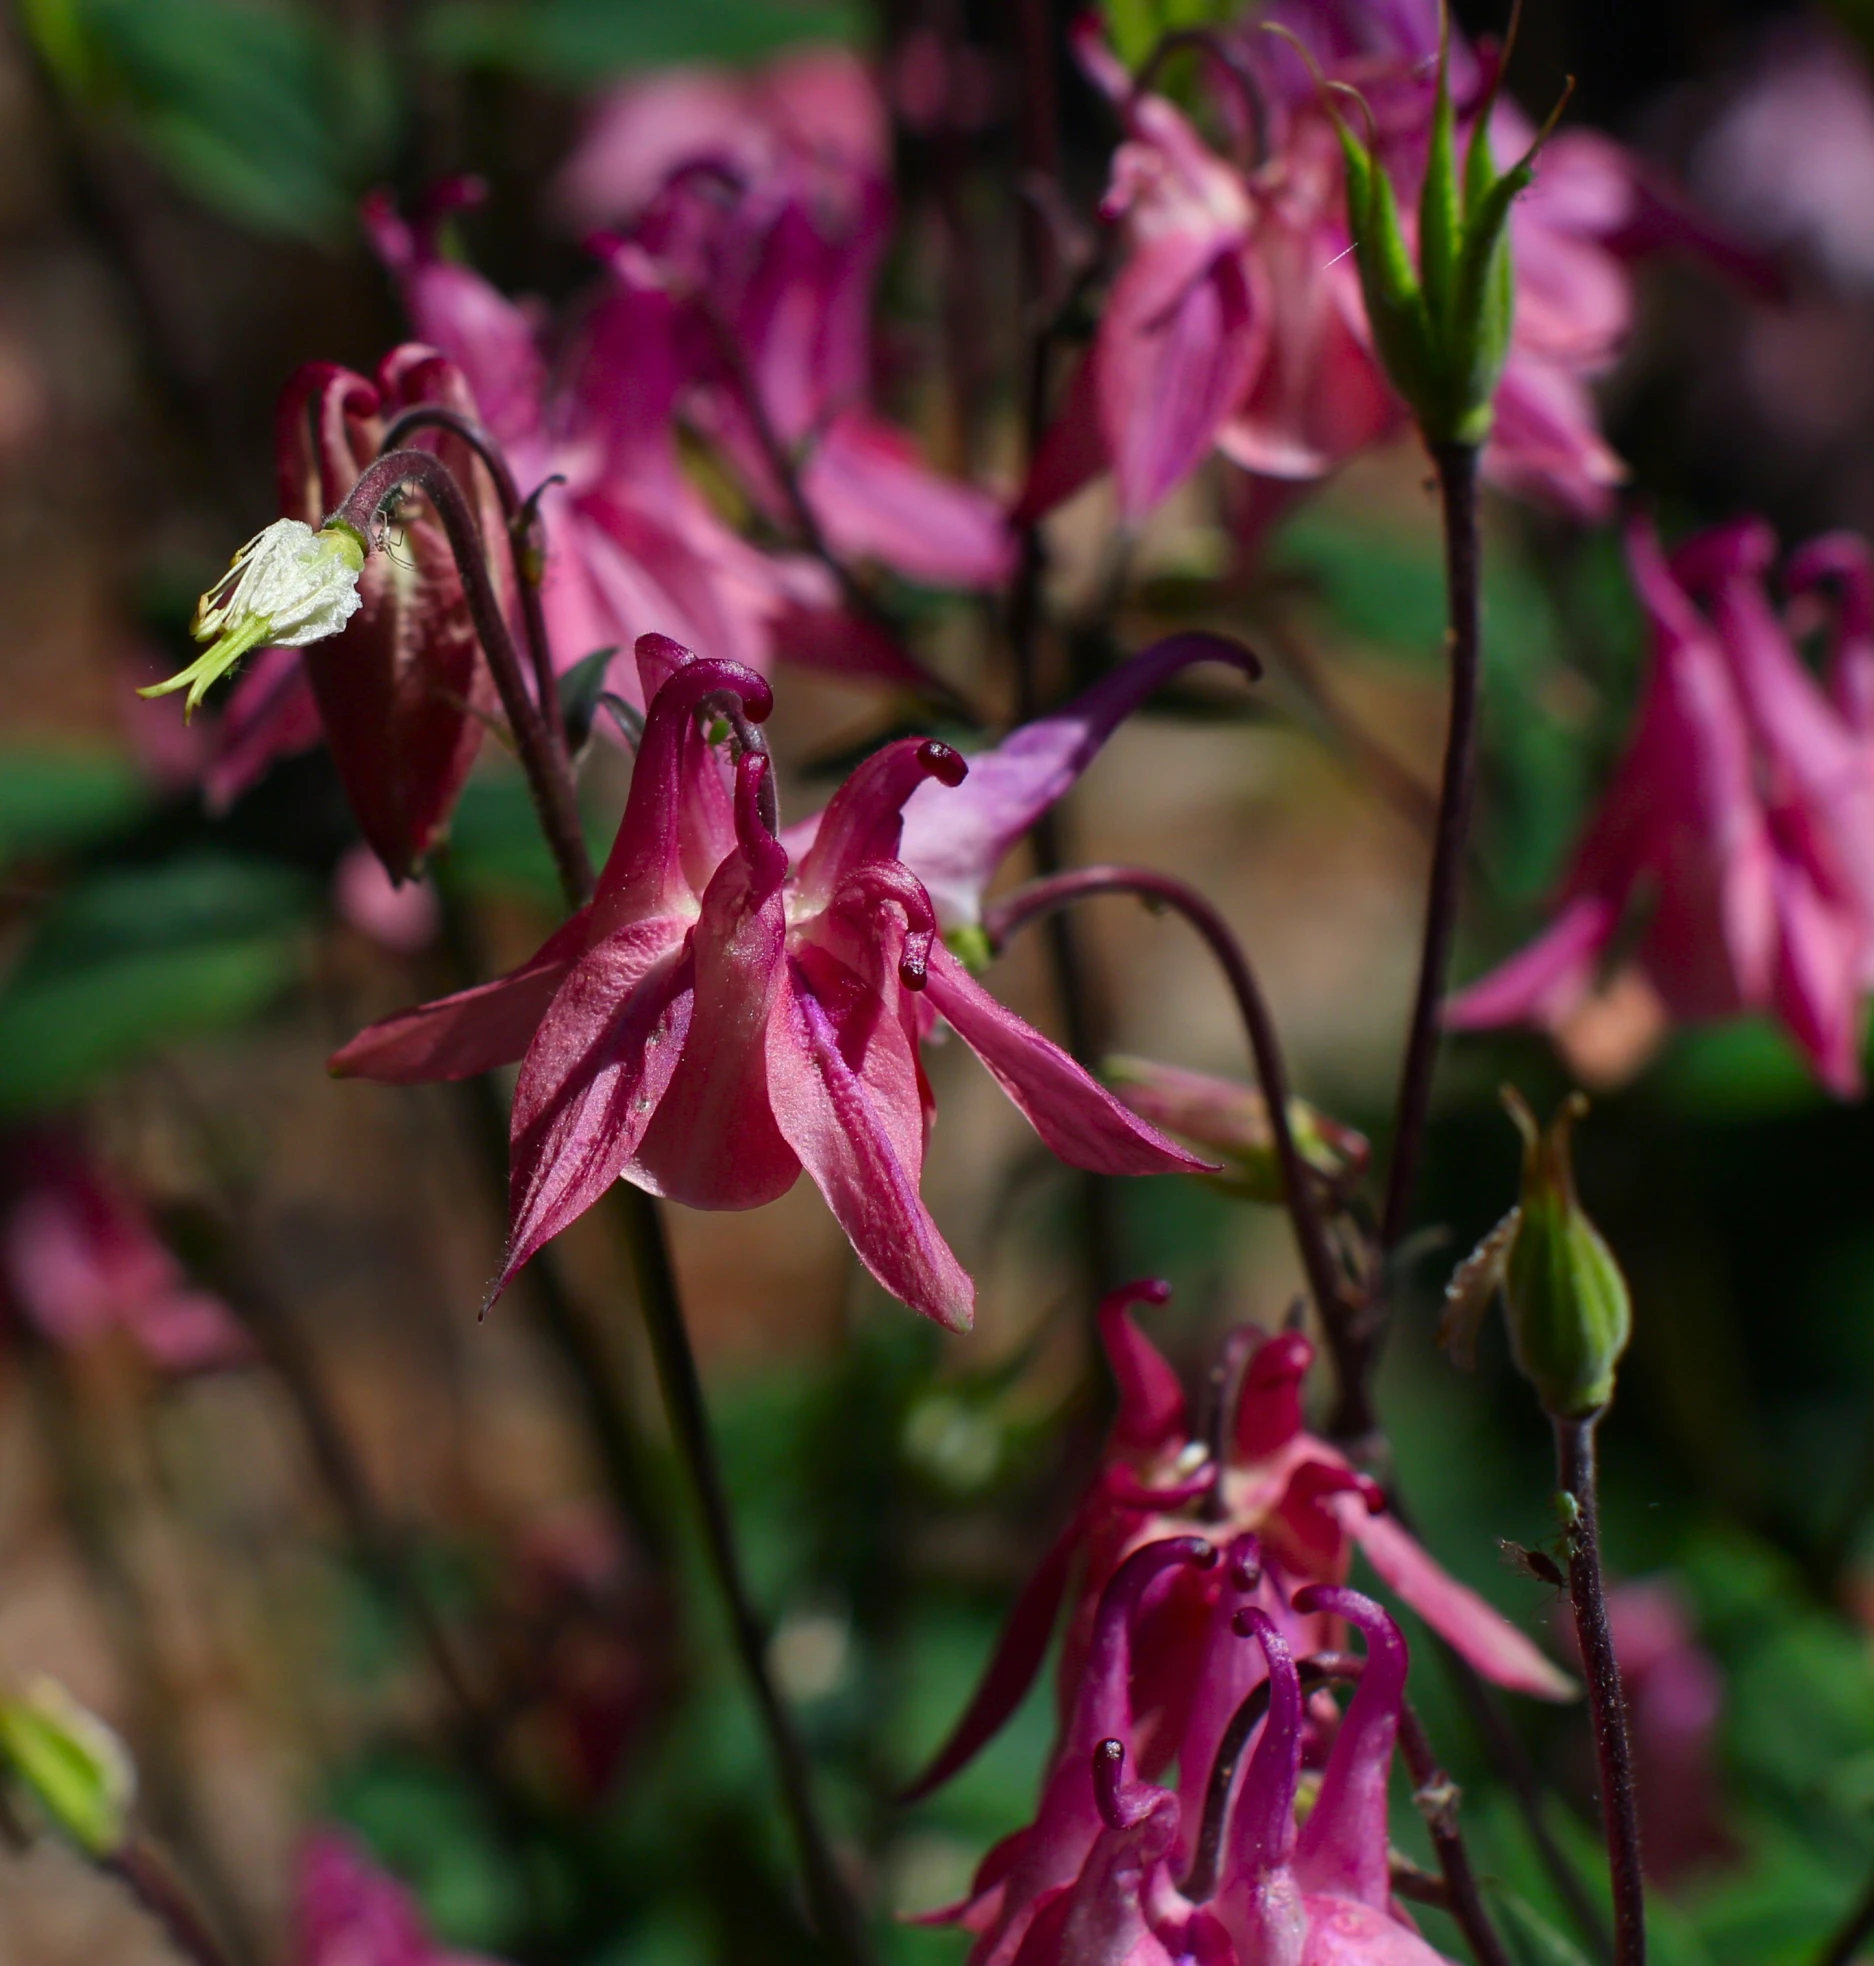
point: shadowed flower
(726, 1011)
(763, 202)
(1741, 818)
(80, 1258)
(349, 1913)
(1300, 1500)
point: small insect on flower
(286, 587)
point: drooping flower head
(1267, 1478)
(1739, 824)
(735, 1006)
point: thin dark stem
(834, 1913)
(1575, 1468)
(523, 523)
(147, 1875)
(1855, 1931)
(541, 746)
(1044, 897)
(1457, 485)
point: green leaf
(132, 959)
(1528, 1937)
(54, 801)
(580, 42)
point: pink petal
(877, 498)
(1078, 1118)
(954, 840)
(1011, 1669)
(1455, 1612)
(713, 1142)
(1542, 983)
(472, 1031)
(1343, 1933)
(592, 1079)
(1176, 347)
(864, 820)
(825, 1116)
(1151, 1397)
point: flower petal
(954, 840)
(1455, 1612)
(864, 820)
(1078, 1118)
(1543, 982)
(823, 1112)
(472, 1031)
(592, 1079)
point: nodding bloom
(1740, 822)
(80, 1258)
(732, 1007)
(349, 1913)
(1236, 321)
(763, 202)
(1116, 1870)
(1265, 1477)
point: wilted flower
(286, 587)
(733, 1007)
(1741, 820)
(1302, 1501)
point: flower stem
(541, 746)
(1354, 1416)
(147, 1875)
(835, 1915)
(1575, 1468)
(1044, 897)
(1437, 1797)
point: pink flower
(403, 919)
(1121, 1872)
(763, 202)
(1742, 815)
(1299, 1499)
(79, 1258)
(349, 1913)
(727, 1012)
(1236, 321)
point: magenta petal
(823, 1112)
(876, 498)
(1174, 354)
(1151, 1397)
(1011, 1669)
(472, 1031)
(1073, 452)
(1542, 983)
(864, 820)
(954, 840)
(1456, 1613)
(1078, 1118)
(591, 1081)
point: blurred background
(259, 1526)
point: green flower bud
(1569, 1312)
(1441, 328)
(76, 1770)
(286, 587)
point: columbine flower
(80, 1258)
(725, 1013)
(286, 587)
(1237, 320)
(1117, 1871)
(1302, 1501)
(1742, 816)
(349, 1913)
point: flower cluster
(1236, 322)
(1741, 819)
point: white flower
(286, 587)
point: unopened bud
(1230, 1122)
(286, 587)
(75, 1770)
(1569, 1312)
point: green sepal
(971, 946)
(72, 1766)
(1441, 216)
